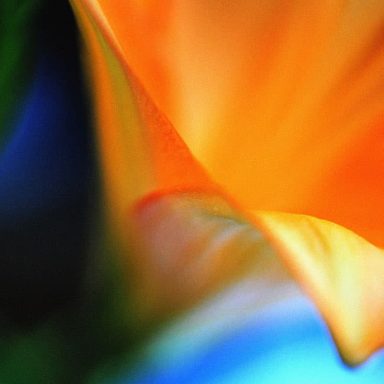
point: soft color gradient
(282, 103)
(302, 81)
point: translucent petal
(341, 271)
(140, 152)
(188, 240)
(291, 93)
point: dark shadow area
(46, 178)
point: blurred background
(64, 317)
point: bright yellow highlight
(341, 271)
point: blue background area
(285, 344)
(47, 159)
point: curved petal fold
(290, 92)
(341, 271)
(186, 239)
(140, 152)
(193, 245)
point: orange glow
(341, 271)
(140, 151)
(298, 86)
(283, 104)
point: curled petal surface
(290, 92)
(177, 220)
(341, 271)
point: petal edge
(342, 272)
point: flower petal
(193, 242)
(290, 92)
(341, 271)
(193, 245)
(140, 151)
(180, 238)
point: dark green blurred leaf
(17, 43)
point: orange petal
(285, 91)
(182, 241)
(140, 151)
(140, 26)
(341, 271)
(193, 244)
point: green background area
(17, 54)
